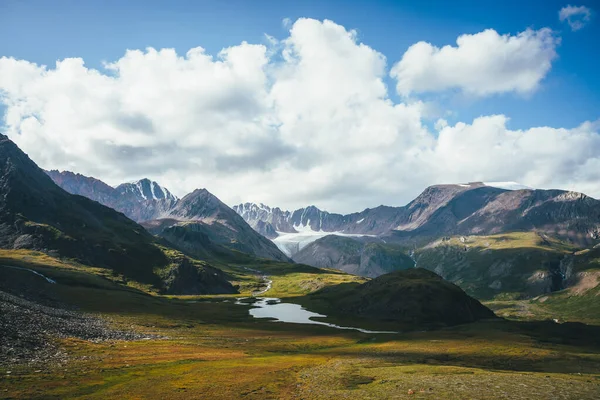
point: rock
(28, 329)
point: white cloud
(540, 157)
(309, 122)
(481, 64)
(440, 124)
(576, 17)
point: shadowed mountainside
(36, 214)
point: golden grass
(215, 350)
(511, 240)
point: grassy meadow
(207, 347)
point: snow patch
(153, 186)
(304, 228)
(507, 185)
(360, 220)
(138, 184)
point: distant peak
(508, 185)
(143, 180)
(148, 189)
(200, 193)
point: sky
(340, 104)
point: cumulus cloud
(576, 16)
(309, 121)
(481, 64)
(541, 156)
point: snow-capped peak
(146, 189)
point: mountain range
(199, 222)
(489, 238)
(455, 209)
(473, 208)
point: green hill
(414, 297)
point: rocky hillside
(36, 214)
(367, 257)
(516, 265)
(200, 218)
(483, 210)
(414, 297)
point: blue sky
(312, 117)
(42, 32)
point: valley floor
(204, 348)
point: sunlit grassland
(565, 305)
(241, 358)
(512, 240)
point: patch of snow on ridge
(507, 185)
(360, 220)
(153, 186)
(300, 228)
(140, 189)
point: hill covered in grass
(518, 265)
(415, 297)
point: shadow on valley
(490, 343)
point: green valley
(209, 347)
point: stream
(32, 271)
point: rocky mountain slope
(368, 257)
(200, 218)
(483, 210)
(514, 265)
(36, 214)
(140, 200)
(199, 222)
